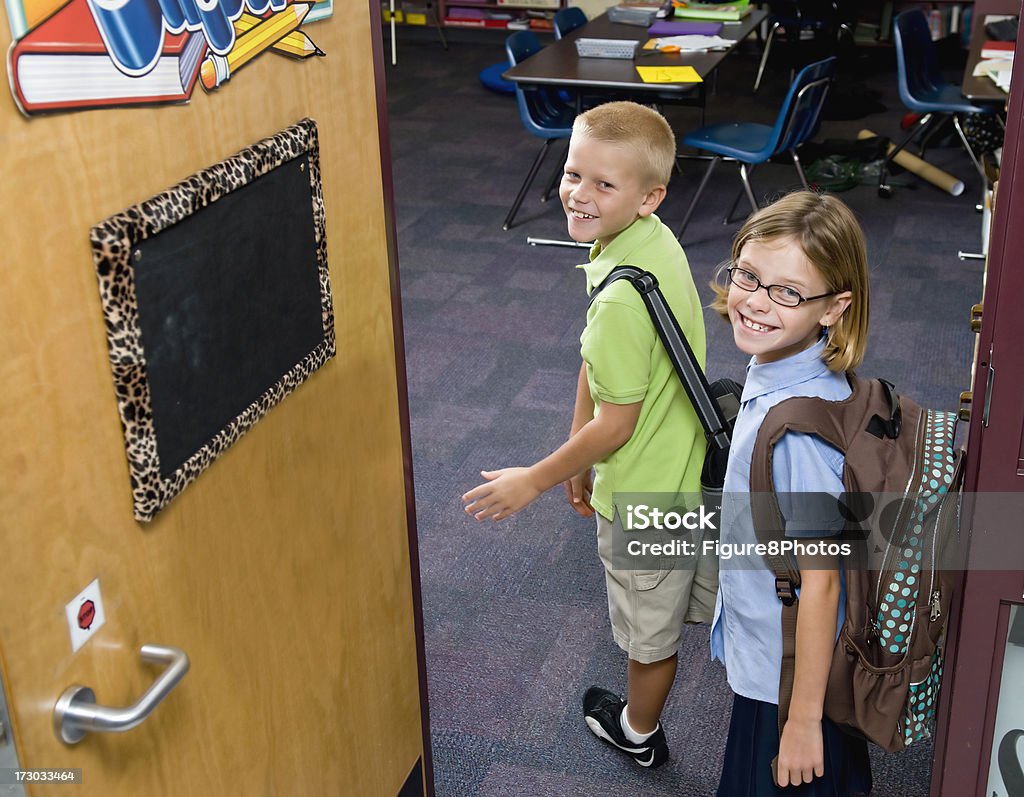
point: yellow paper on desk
(669, 74)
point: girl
(796, 295)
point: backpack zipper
(936, 594)
(913, 479)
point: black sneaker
(602, 710)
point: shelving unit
(410, 12)
(515, 14)
(416, 13)
(946, 18)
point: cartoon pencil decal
(295, 45)
(218, 68)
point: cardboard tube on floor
(922, 168)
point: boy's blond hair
(831, 238)
(637, 127)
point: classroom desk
(979, 89)
(559, 65)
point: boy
(632, 422)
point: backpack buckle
(892, 426)
(645, 283)
(786, 590)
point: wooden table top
(979, 88)
(558, 63)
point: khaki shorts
(648, 608)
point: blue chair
(924, 90)
(567, 20)
(491, 78)
(796, 16)
(752, 144)
(541, 110)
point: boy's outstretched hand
(505, 492)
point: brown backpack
(901, 506)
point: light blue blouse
(746, 634)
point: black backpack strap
(1009, 765)
(892, 425)
(716, 427)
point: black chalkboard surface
(229, 300)
(217, 301)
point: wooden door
(284, 571)
(995, 470)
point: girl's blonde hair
(831, 238)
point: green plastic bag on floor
(835, 174)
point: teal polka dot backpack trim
(902, 476)
(912, 578)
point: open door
(286, 572)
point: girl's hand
(801, 753)
(505, 492)
(578, 490)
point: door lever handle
(77, 712)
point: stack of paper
(692, 43)
(998, 70)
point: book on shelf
(553, 4)
(462, 22)
(63, 64)
(724, 12)
(943, 22)
(474, 18)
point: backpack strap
(1009, 764)
(836, 425)
(716, 427)
(825, 419)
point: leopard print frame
(113, 241)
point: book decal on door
(107, 53)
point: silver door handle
(77, 713)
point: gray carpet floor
(515, 614)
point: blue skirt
(754, 742)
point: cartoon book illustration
(63, 64)
(322, 9)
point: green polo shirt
(627, 363)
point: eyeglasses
(780, 294)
